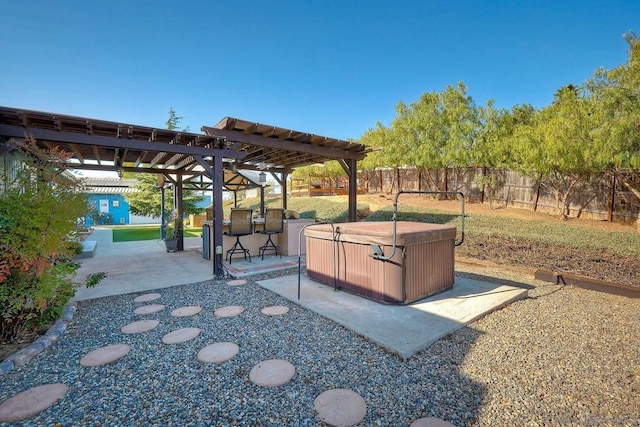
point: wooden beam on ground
(586, 283)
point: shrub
(38, 211)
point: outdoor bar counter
(422, 265)
(287, 241)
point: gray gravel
(566, 356)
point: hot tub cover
(381, 232)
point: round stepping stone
(275, 310)
(148, 309)
(340, 407)
(181, 335)
(139, 327)
(229, 311)
(271, 373)
(147, 297)
(104, 355)
(189, 310)
(218, 352)
(431, 422)
(31, 402)
(237, 282)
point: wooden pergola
(184, 158)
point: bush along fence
(598, 196)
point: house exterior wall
(110, 209)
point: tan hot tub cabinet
(422, 265)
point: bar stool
(241, 225)
(273, 224)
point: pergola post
(350, 166)
(218, 181)
(283, 185)
(180, 210)
(163, 232)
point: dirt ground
(597, 264)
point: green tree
(38, 213)
(376, 139)
(615, 94)
(558, 146)
(437, 131)
(174, 120)
(493, 146)
(146, 200)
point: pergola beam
(286, 145)
(111, 142)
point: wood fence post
(612, 199)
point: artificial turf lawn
(132, 233)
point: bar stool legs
(269, 246)
(238, 248)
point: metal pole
(377, 250)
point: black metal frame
(269, 245)
(235, 249)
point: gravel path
(566, 356)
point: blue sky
(333, 68)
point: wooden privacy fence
(602, 198)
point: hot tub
(423, 263)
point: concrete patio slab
(145, 265)
(140, 266)
(404, 330)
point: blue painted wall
(116, 209)
(119, 214)
(206, 202)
